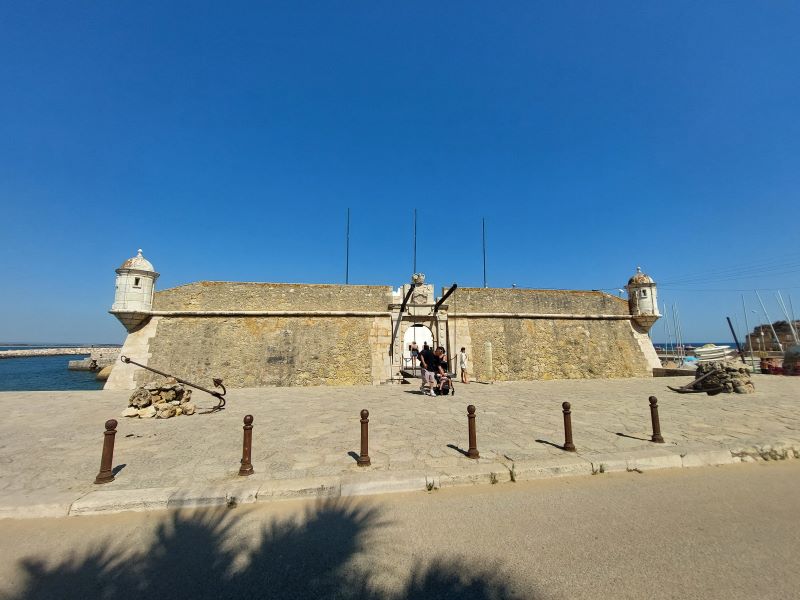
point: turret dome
(138, 262)
(640, 278)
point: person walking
(430, 364)
(462, 363)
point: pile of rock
(724, 376)
(160, 400)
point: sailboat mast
(748, 336)
(780, 346)
(788, 318)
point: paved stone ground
(306, 439)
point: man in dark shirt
(430, 365)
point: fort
(279, 334)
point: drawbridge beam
(400, 318)
(445, 297)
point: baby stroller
(445, 385)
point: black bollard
(568, 445)
(106, 475)
(363, 458)
(656, 424)
(247, 447)
(473, 444)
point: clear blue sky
(228, 139)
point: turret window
(644, 293)
(137, 282)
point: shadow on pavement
(457, 449)
(632, 437)
(549, 443)
(200, 556)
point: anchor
(217, 383)
(689, 388)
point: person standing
(414, 354)
(430, 364)
(462, 363)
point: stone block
(36, 506)
(312, 487)
(542, 469)
(470, 474)
(111, 501)
(382, 482)
(707, 458)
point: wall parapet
(249, 296)
(553, 316)
(269, 313)
(524, 300)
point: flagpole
(415, 242)
(483, 227)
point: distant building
(762, 339)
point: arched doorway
(415, 333)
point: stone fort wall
(546, 334)
(269, 351)
(516, 300)
(263, 334)
(266, 334)
(242, 296)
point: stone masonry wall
(318, 349)
(266, 351)
(505, 300)
(224, 295)
(526, 349)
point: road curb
(370, 482)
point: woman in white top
(462, 362)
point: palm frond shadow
(203, 555)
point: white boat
(710, 352)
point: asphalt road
(726, 532)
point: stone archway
(415, 333)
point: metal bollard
(106, 475)
(363, 458)
(247, 447)
(654, 418)
(568, 445)
(473, 444)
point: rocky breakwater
(160, 400)
(723, 376)
(111, 352)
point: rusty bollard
(247, 447)
(473, 443)
(363, 458)
(654, 418)
(568, 445)
(106, 475)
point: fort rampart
(267, 334)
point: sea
(44, 373)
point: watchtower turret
(133, 299)
(643, 299)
